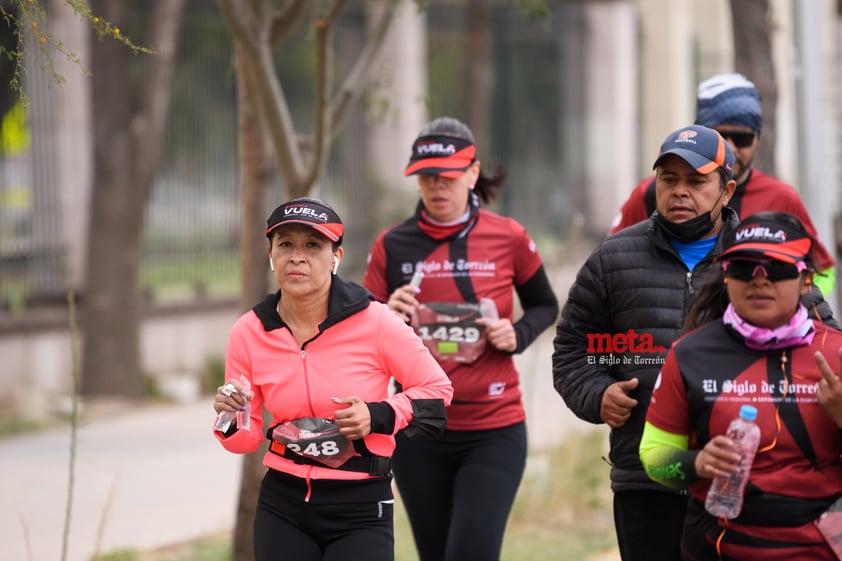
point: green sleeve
(666, 459)
(825, 280)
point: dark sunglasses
(746, 270)
(739, 139)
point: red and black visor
(763, 237)
(310, 212)
(447, 156)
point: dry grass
(563, 508)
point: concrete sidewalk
(144, 479)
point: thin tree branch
(285, 21)
(334, 12)
(253, 29)
(160, 68)
(74, 422)
(266, 89)
(324, 60)
(355, 80)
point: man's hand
(616, 404)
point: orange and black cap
(703, 148)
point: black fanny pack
(768, 510)
(317, 441)
(765, 509)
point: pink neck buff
(795, 333)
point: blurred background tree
(132, 112)
(752, 30)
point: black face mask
(690, 230)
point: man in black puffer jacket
(625, 309)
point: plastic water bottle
(725, 497)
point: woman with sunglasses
(756, 345)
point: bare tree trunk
(128, 147)
(110, 306)
(256, 178)
(753, 53)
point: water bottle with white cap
(725, 496)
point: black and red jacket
(797, 472)
(484, 259)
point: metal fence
(31, 256)
(190, 237)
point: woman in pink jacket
(318, 355)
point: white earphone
(271, 265)
(335, 264)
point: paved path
(144, 479)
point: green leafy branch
(24, 17)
